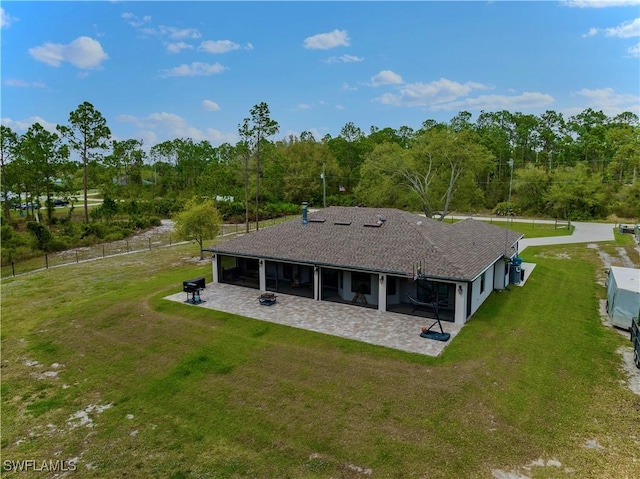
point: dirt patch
(629, 367)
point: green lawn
(533, 228)
(196, 394)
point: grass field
(99, 368)
(531, 229)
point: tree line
(582, 167)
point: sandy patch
(84, 416)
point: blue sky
(164, 70)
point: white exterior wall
(214, 267)
(382, 292)
(477, 296)
(461, 304)
(501, 275)
(262, 275)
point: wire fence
(154, 238)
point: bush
(41, 233)
(89, 240)
(6, 233)
(22, 253)
(114, 236)
(59, 243)
(140, 222)
(503, 209)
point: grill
(193, 287)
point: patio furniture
(267, 299)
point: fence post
(13, 268)
(103, 251)
(127, 246)
(149, 244)
(46, 261)
(169, 240)
(76, 256)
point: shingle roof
(398, 244)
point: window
(391, 285)
(361, 283)
(429, 291)
(482, 281)
(287, 271)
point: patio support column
(262, 275)
(461, 303)
(317, 287)
(214, 267)
(382, 292)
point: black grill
(192, 285)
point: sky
(175, 69)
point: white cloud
(429, 94)
(21, 126)
(634, 51)
(163, 125)
(218, 46)
(195, 69)
(340, 107)
(134, 20)
(525, 101)
(344, 59)
(324, 41)
(23, 84)
(303, 106)
(83, 52)
(172, 32)
(628, 29)
(177, 47)
(386, 77)
(5, 19)
(601, 3)
(210, 105)
(345, 86)
(608, 99)
(625, 30)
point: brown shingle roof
(396, 245)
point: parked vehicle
(28, 205)
(60, 202)
(635, 339)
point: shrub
(22, 253)
(41, 233)
(6, 233)
(117, 236)
(89, 240)
(59, 243)
(503, 209)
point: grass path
(173, 391)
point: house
(373, 257)
(623, 295)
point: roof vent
(342, 223)
(419, 223)
(317, 220)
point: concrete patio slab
(391, 330)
